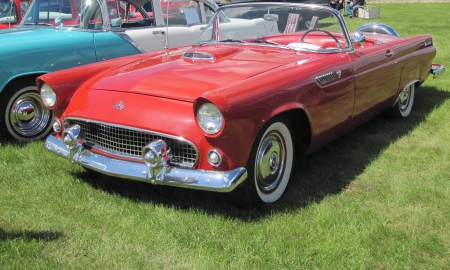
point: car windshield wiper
(231, 40)
(263, 40)
(47, 24)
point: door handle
(390, 53)
(160, 32)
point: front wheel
(269, 166)
(22, 115)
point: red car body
(11, 12)
(270, 99)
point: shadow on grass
(46, 236)
(327, 171)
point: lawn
(377, 198)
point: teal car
(60, 34)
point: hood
(186, 79)
(29, 50)
(36, 34)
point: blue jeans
(351, 12)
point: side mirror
(271, 17)
(358, 37)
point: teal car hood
(40, 47)
(39, 50)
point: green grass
(377, 198)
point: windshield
(8, 11)
(85, 14)
(293, 26)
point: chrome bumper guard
(437, 70)
(219, 181)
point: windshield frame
(220, 15)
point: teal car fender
(28, 52)
(61, 34)
(51, 49)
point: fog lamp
(154, 154)
(214, 157)
(70, 136)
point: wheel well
(301, 128)
(24, 77)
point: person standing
(352, 6)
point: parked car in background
(59, 34)
(12, 11)
(228, 113)
(313, 2)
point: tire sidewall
(281, 126)
(407, 112)
(9, 96)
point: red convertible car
(228, 113)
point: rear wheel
(269, 166)
(23, 116)
(404, 104)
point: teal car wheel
(23, 115)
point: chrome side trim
(437, 70)
(195, 56)
(326, 78)
(218, 181)
(128, 39)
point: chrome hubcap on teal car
(28, 115)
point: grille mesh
(125, 142)
(326, 78)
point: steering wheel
(323, 31)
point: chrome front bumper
(219, 181)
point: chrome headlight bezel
(48, 96)
(210, 118)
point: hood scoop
(198, 56)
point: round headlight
(209, 118)
(48, 96)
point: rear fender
(410, 74)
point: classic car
(59, 34)
(228, 113)
(12, 11)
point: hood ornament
(119, 106)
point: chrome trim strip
(326, 78)
(202, 56)
(340, 18)
(135, 129)
(218, 181)
(128, 39)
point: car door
(172, 28)
(376, 79)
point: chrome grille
(126, 142)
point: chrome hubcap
(270, 162)
(28, 116)
(404, 98)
